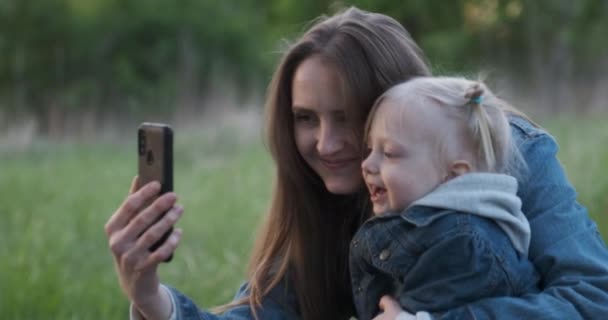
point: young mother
(319, 97)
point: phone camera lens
(142, 143)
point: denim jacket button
(359, 289)
(355, 243)
(385, 254)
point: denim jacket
(566, 249)
(465, 241)
(279, 304)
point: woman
(317, 102)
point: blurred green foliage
(124, 54)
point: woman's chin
(344, 186)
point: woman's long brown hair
(305, 237)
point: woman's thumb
(134, 184)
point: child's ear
(460, 167)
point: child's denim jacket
(465, 241)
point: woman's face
(325, 135)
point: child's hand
(390, 309)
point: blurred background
(78, 76)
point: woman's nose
(329, 140)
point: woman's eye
(303, 117)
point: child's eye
(392, 153)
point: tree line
(127, 55)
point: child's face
(403, 163)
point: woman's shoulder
(281, 298)
(279, 303)
(532, 141)
(524, 128)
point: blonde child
(447, 227)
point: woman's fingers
(132, 204)
(389, 305)
(162, 252)
(158, 229)
(131, 245)
(150, 215)
(390, 309)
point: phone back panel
(155, 160)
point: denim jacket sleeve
(279, 304)
(566, 247)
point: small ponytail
(480, 124)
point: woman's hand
(131, 231)
(390, 309)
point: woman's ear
(460, 167)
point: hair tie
(474, 94)
(477, 100)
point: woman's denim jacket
(566, 249)
(465, 241)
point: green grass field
(56, 198)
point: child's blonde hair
(483, 115)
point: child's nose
(368, 166)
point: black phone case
(155, 162)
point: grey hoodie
(489, 195)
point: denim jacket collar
(489, 195)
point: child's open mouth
(376, 193)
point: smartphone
(155, 162)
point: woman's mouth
(338, 163)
